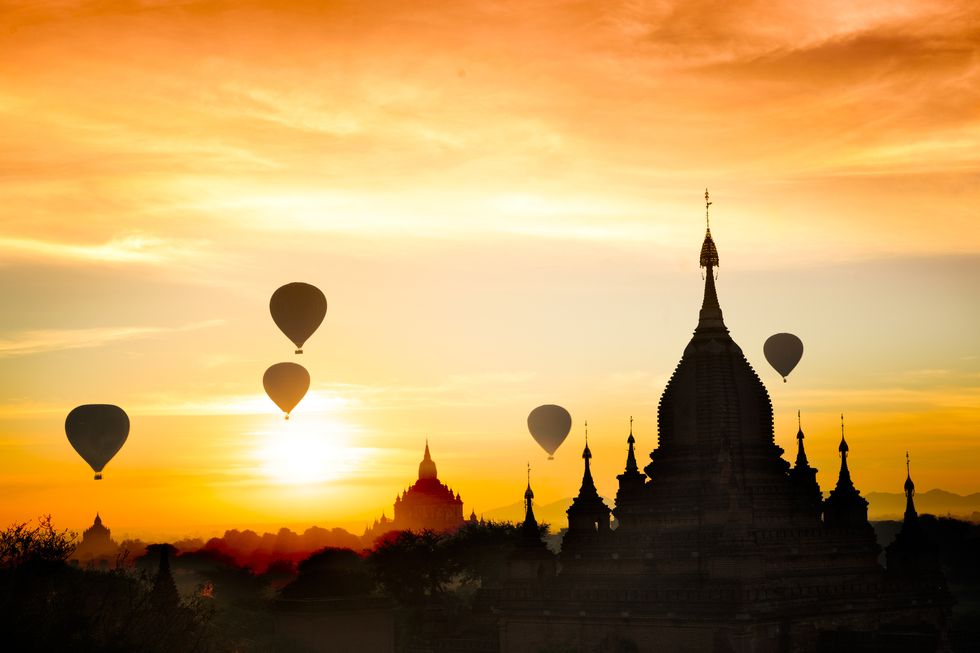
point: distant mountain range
(891, 505)
(883, 505)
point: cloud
(134, 248)
(47, 340)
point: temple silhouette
(721, 545)
(96, 546)
(428, 504)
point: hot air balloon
(286, 384)
(549, 425)
(783, 351)
(97, 432)
(298, 309)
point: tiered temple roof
(720, 545)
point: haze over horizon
(496, 224)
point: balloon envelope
(298, 309)
(286, 384)
(549, 426)
(97, 432)
(783, 351)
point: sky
(503, 203)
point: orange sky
(502, 203)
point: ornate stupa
(96, 545)
(720, 544)
(428, 504)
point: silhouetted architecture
(531, 563)
(912, 555)
(97, 545)
(720, 546)
(163, 596)
(427, 504)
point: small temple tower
(631, 482)
(588, 512)
(804, 476)
(912, 554)
(163, 596)
(845, 507)
(531, 560)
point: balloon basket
(299, 351)
(551, 457)
(98, 477)
(287, 418)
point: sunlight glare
(307, 452)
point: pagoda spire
(529, 521)
(427, 468)
(910, 514)
(801, 460)
(844, 477)
(711, 317)
(631, 467)
(588, 485)
(845, 506)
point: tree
(21, 544)
(411, 566)
(330, 573)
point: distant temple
(722, 546)
(429, 504)
(97, 545)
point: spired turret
(845, 507)
(588, 513)
(804, 476)
(531, 561)
(631, 483)
(912, 554)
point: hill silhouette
(891, 505)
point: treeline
(227, 601)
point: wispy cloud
(46, 340)
(133, 248)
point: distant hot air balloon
(549, 425)
(286, 384)
(97, 432)
(298, 309)
(783, 351)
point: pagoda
(429, 504)
(720, 545)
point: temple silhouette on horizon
(429, 504)
(721, 545)
(96, 548)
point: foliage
(21, 544)
(331, 572)
(411, 566)
(47, 605)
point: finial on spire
(909, 485)
(709, 253)
(707, 205)
(843, 448)
(630, 439)
(801, 460)
(586, 453)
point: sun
(307, 451)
